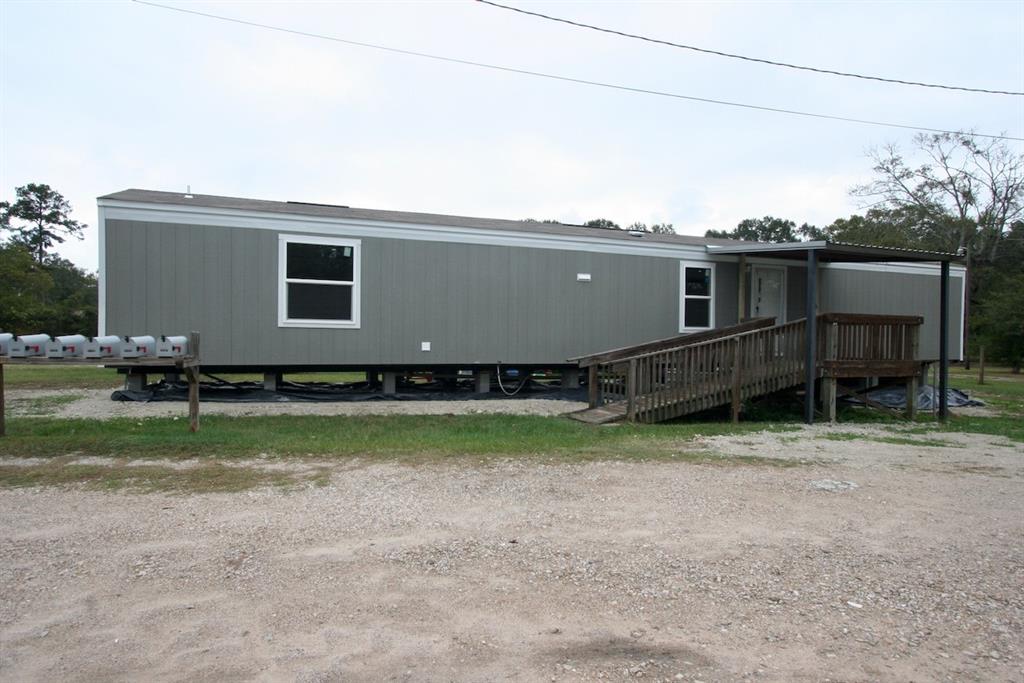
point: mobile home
(284, 286)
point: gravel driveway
(538, 570)
(95, 404)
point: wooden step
(610, 412)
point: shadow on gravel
(618, 652)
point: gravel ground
(868, 561)
(96, 404)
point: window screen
(319, 302)
(698, 281)
(697, 313)
(320, 262)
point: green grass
(205, 478)
(60, 377)
(403, 438)
(379, 436)
(898, 440)
(43, 405)
(1002, 389)
(1007, 426)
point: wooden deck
(670, 378)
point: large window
(696, 296)
(318, 282)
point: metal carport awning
(824, 251)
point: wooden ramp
(670, 378)
(611, 412)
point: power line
(569, 79)
(743, 57)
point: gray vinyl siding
(475, 304)
(889, 293)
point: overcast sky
(102, 96)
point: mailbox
(108, 346)
(139, 347)
(28, 345)
(67, 346)
(5, 343)
(172, 347)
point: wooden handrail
(729, 365)
(680, 340)
(792, 324)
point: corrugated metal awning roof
(833, 252)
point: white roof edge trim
(813, 245)
(781, 246)
(219, 217)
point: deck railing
(664, 384)
(608, 369)
(851, 344)
(659, 384)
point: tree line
(40, 291)
(964, 198)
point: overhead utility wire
(744, 57)
(569, 79)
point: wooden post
(3, 408)
(193, 398)
(832, 342)
(631, 391)
(593, 386)
(981, 368)
(737, 380)
(912, 398)
(829, 394)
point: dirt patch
(96, 404)
(511, 570)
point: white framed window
(696, 296)
(318, 281)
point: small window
(696, 296)
(319, 282)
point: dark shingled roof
(330, 211)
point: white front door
(768, 292)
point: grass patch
(899, 440)
(61, 377)
(204, 478)
(386, 436)
(1002, 389)
(1008, 426)
(43, 405)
